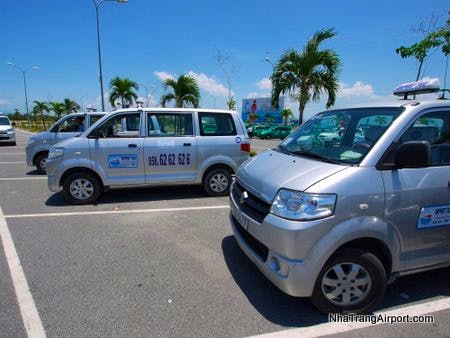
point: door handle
(132, 145)
(186, 144)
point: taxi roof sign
(418, 87)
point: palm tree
(70, 106)
(286, 114)
(123, 89)
(57, 108)
(39, 109)
(185, 92)
(307, 74)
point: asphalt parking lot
(153, 262)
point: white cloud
(5, 102)
(253, 95)
(359, 89)
(209, 84)
(264, 84)
(163, 75)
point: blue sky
(146, 38)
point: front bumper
(293, 276)
(7, 138)
(54, 174)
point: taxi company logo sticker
(123, 161)
(434, 217)
(238, 139)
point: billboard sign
(261, 107)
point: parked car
(66, 127)
(168, 147)
(7, 134)
(275, 132)
(336, 221)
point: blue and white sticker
(123, 161)
(434, 217)
(238, 139)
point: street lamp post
(24, 72)
(146, 93)
(97, 5)
(267, 59)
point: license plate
(243, 220)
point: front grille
(260, 249)
(253, 206)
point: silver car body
(42, 142)
(7, 133)
(96, 154)
(376, 207)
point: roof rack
(418, 87)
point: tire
(369, 295)
(40, 163)
(81, 188)
(217, 182)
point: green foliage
(286, 114)
(184, 92)
(39, 110)
(122, 89)
(231, 103)
(70, 106)
(57, 108)
(307, 74)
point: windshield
(4, 121)
(340, 136)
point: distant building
(261, 107)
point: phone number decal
(169, 159)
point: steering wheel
(362, 146)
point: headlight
(10, 131)
(300, 206)
(31, 140)
(55, 152)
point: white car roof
(202, 110)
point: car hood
(264, 174)
(5, 127)
(72, 143)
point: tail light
(245, 147)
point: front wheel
(217, 182)
(81, 188)
(41, 161)
(352, 281)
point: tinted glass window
(4, 121)
(117, 126)
(169, 124)
(73, 124)
(216, 124)
(435, 129)
(95, 118)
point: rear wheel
(81, 188)
(352, 281)
(41, 163)
(217, 182)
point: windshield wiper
(283, 149)
(316, 156)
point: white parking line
(23, 178)
(12, 162)
(28, 310)
(330, 328)
(107, 212)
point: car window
(117, 126)
(169, 124)
(94, 118)
(4, 121)
(435, 129)
(216, 124)
(72, 124)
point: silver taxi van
(337, 219)
(164, 147)
(7, 133)
(68, 126)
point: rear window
(216, 124)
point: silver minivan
(66, 127)
(337, 219)
(150, 147)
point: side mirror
(13, 124)
(414, 154)
(55, 129)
